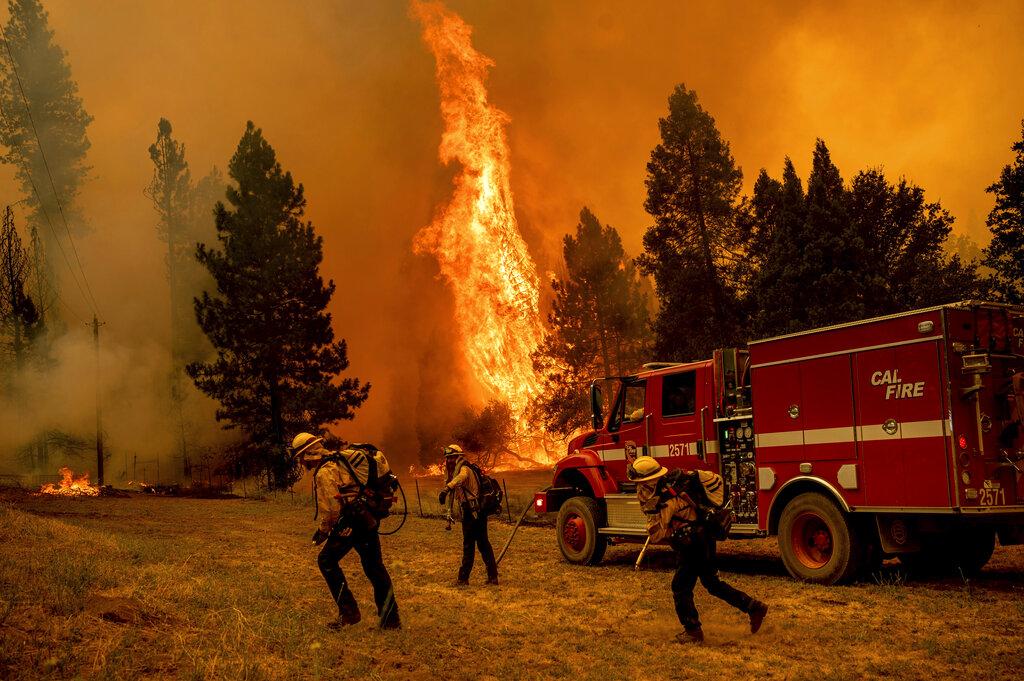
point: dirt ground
(153, 587)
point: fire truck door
(900, 428)
(923, 437)
(677, 439)
(627, 428)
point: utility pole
(99, 422)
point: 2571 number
(678, 449)
(992, 497)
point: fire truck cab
(899, 435)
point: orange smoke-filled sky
(344, 91)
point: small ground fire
(70, 485)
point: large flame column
(475, 238)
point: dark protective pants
(366, 542)
(474, 535)
(697, 560)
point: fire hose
(405, 513)
(516, 527)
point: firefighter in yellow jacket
(463, 487)
(674, 517)
(345, 524)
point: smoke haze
(345, 93)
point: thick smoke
(345, 93)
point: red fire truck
(900, 435)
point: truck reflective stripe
(908, 431)
(827, 436)
(822, 436)
(787, 438)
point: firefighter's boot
(392, 621)
(691, 636)
(757, 612)
(348, 609)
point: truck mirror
(596, 406)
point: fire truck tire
(818, 542)
(578, 520)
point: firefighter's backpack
(490, 496)
(708, 493)
(715, 513)
(377, 494)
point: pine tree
(776, 286)
(692, 192)
(1005, 253)
(277, 360)
(185, 217)
(44, 124)
(598, 324)
(815, 274)
(906, 237)
(169, 191)
(19, 316)
(836, 255)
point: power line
(53, 186)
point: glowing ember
(476, 238)
(71, 486)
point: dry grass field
(146, 587)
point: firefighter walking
(345, 524)
(463, 486)
(674, 516)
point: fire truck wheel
(578, 520)
(817, 541)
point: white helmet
(302, 442)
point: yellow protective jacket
(463, 486)
(334, 487)
(662, 522)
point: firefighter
(344, 525)
(463, 486)
(674, 517)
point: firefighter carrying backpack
(490, 496)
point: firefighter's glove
(442, 497)
(318, 537)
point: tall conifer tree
(1005, 253)
(277, 366)
(598, 324)
(693, 187)
(44, 125)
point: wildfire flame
(475, 238)
(71, 486)
(423, 472)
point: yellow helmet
(452, 450)
(645, 468)
(302, 442)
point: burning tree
(476, 238)
(489, 434)
(277, 360)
